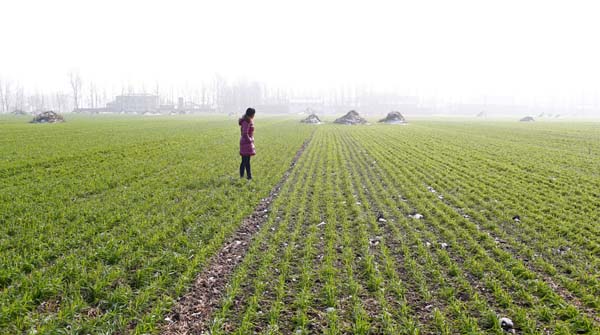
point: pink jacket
(247, 138)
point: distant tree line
(218, 94)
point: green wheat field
(435, 227)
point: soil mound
(527, 119)
(48, 117)
(394, 118)
(312, 119)
(351, 118)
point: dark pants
(245, 165)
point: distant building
(190, 107)
(134, 103)
(147, 104)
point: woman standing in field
(247, 149)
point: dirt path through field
(192, 314)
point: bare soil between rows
(192, 314)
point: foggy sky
(446, 48)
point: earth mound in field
(527, 119)
(48, 117)
(351, 118)
(393, 118)
(312, 119)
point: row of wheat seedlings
(504, 275)
(576, 265)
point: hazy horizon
(459, 51)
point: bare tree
(20, 98)
(219, 90)
(61, 101)
(104, 96)
(93, 95)
(76, 83)
(39, 101)
(157, 90)
(204, 100)
(5, 95)
(2, 97)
